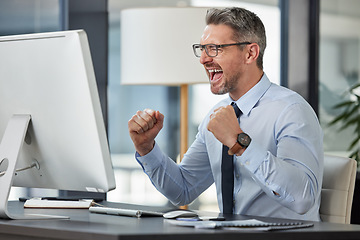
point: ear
(253, 51)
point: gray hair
(247, 26)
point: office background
(313, 48)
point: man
(276, 142)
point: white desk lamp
(156, 49)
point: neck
(246, 83)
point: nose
(204, 58)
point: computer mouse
(179, 214)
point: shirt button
(144, 164)
(237, 175)
(247, 162)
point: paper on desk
(250, 224)
(214, 224)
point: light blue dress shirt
(279, 174)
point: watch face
(244, 139)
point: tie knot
(236, 108)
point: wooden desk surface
(85, 225)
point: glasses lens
(197, 50)
(211, 50)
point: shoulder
(282, 104)
(291, 107)
(285, 97)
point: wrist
(235, 149)
(242, 142)
(145, 149)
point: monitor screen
(49, 78)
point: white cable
(20, 169)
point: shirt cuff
(252, 157)
(151, 160)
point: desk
(85, 225)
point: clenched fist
(224, 125)
(144, 126)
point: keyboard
(125, 212)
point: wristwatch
(243, 140)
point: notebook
(248, 224)
(43, 203)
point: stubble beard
(227, 86)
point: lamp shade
(156, 46)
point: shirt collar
(249, 99)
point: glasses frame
(205, 46)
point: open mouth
(215, 74)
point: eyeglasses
(212, 50)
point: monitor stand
(10, 147)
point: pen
(202, 219)
(214, 219)
(189, 219)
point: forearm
(172, 180)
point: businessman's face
(225, 69)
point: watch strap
(235, 149)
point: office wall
(29, 16)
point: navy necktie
(227, 174)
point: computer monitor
(51, 123)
